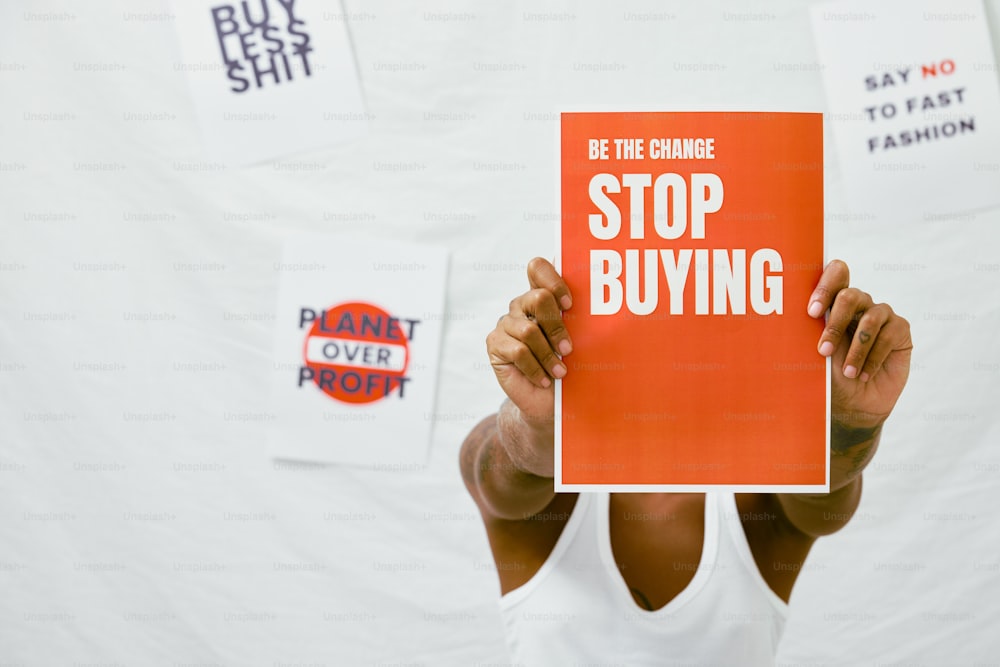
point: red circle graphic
(358, 353)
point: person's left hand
(870, 348)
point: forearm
(851, 449)
(821, 513)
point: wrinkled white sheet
(141, 523)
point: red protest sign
(691, 243)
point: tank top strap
(581, 509)
(732, 528)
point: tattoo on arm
(859, 460)
(641, 599)
(843, 438)
(853, 446)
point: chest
(656, 542)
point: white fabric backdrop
(140, 521)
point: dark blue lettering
(346, 323)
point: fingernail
(815, 309)
(559, 370)
(850, 372)
(826, 349)
(565, 347)
(864, 377)
(546, 382)
(566, 302)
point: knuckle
(888, 314)
(870, 319)
(852, 299)
(822, 290)
(556, 329)
(851, 295)
(523, 329)
(495, 339)
(880, 309)
(540, 297)
(520, 354)
(834, 331)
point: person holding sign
(645, 577)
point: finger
(894, 335)
(835, 277)
(866, 335)
(847, 308)
(540, 305)
(541, 274)
(530, 334)
(505, 351)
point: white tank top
(577, 609)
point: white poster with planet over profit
(357, 343)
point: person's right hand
(527, 343)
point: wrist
(538, 424)
(527, 440)
(857, 419)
